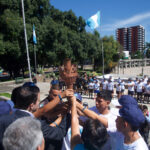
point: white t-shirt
(137, 145)
(96, 86)
(131, 88)
(147, 88)
(67, 139)
(111, 143)
(118, 87)
(104, 83)
(139, 87)
(122, 85)
(119, 138)
(110, 86)
(145, 80)
(91, 85)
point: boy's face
(53, 93)
(101, 104)
(145, 112)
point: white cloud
(129, 21)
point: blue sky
(114, 13)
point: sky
(114, 13)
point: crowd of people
(138, 87)
(62, 121)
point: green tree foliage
(148, 50)
(137, 55)
(59, 35)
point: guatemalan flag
(94, 21)
(34, 35)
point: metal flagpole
(35, 58)
(28, 59)
(102, 53)
(103, 58)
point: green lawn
(6, 95)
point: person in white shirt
(145, 79)
(128, 122)
(102, 109)
(118, 89)
(147, 91)
(122, 87)
(110, 86)
(139, 89)
(135, 85)
(131, 87)
(91, 88)
(96, 88)
(104, 85)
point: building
(132, 38)
(121, 35)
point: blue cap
(78, 96)
(133, 115)
(26, 84)
(127, 100)
(5, 108)
(55, 82)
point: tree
(59, 35)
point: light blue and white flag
(34, 35)
(94, 21)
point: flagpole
(102, 54)
(103, 58)
(25, 33)
(35, 58)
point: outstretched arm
(75, 133)
(52, 104)
(92, 115)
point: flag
(34, 35)
(94, 21)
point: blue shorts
(96, 91)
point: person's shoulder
(137, 145)
(94, 109)
(44, 102)
(79, 147)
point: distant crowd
(139, 88)
(62, 121)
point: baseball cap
(78, 96)
(55, 82)
(26, 84)
(5, 108)
(127, 100)
(133, 115)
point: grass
(6, 95)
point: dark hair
(143, 107)
(14, 94)
(133, 128)
(55, 87)
(94, 135)
(105, 95)
(25, 96)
